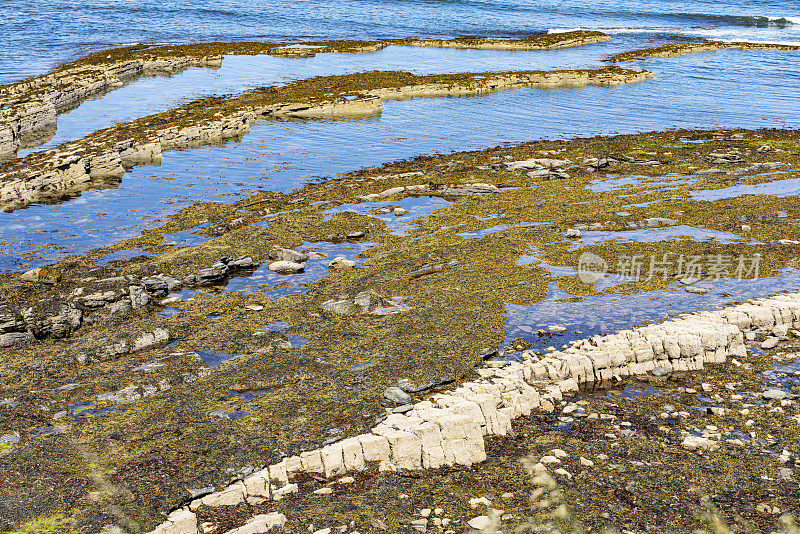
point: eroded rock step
(678, 49)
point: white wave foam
(728, 35)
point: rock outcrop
(105, 155)
(449, 428)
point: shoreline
(449, 428)
(96, 339)
(105, 155)
(670, 50)
(29, 108)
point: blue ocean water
(38, 34)
(694, 91)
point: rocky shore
(29, 109)
(104, 156)
(448, 429)
(324, 320)
(679, 49)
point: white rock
(770, 342)
(257, 484)
(261, 524)
(563, 472)
(479, 523)
(340, 262)
(230, 496)
(286, 267)
(477, 501)
(280, 493)
(586, 462)
(399, 212)
(693, 443)
(573, 233)
(420, 525)
(178, 522)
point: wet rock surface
(126, 403)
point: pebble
(694, 443)
(479, 523)
(324, 491)
(286, 267)
(399, 212)
(254, 307)
(425, 512)
(770, 342)
(696, 290)
(549, 460)
(340, 262)
(660, 371)
(573, 233)
(586, 462)
(397, 395)
(559, 453)
(477, 501)
(420, 525)
(563, 472)
(346, 480)
(774, 394)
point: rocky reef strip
(449, 428)
(679, 49)
(105, 155)
(29, 108)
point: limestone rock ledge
(448, 428)
(104, 156)
(679, 49)
(28, 109)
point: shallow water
(609, 312)
(701, 90)
(417, 207)
(594, 237)
(776, 188)
(266, 281)
(241, 73)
